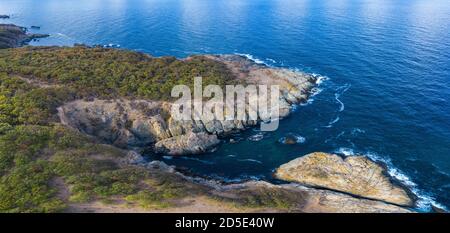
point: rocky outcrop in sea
(355, 175)
(301, 198)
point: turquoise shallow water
(386, 62)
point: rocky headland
(12, 36)
(147, 123)
(71, 104)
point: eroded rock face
(145, 123)
(326, 201)
(355, 175)
(191, 143)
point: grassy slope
(110, 72)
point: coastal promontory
(71, 118)
(12, 36)
(355, 175)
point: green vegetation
(264, 197)
(32, 157)
(107, 73)
(44, 165)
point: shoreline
(246, 182)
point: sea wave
(425, 200)
(319, 78)
(298, 138)
(331, 123)
(256, 137)
(240, 179)
(315, 90)
(357, 131)
(197, 159)
(341, 91)
(250, 160)
(254, 59)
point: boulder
(133, 158)
(356, 175)
(191, 143)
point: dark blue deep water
(387, 64)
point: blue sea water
(386, 65)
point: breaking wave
(425, 200)
(250, 160)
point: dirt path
(200, 204)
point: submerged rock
(356, 175)
(292, 139)
(288, 140)
(4, 16)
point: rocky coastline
(299, 197)
(12, 36)
(136, 124)
(145, 123)
(317, 182)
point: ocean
(385, 68)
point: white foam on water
(345, 151)
(308, 102)
(300, 139)
(232, 156)
(320, 79)
(242, 178)
(271, 60)
(342, 106)
(111, 45)
(356, 131)
(331, 123)
(315, 90)
(63, 35)
(197, 159)
(250, 160)
(425, 200)
(256, 137)
(254, 59)
(338, 94)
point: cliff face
(144, 123)
(12, 36)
